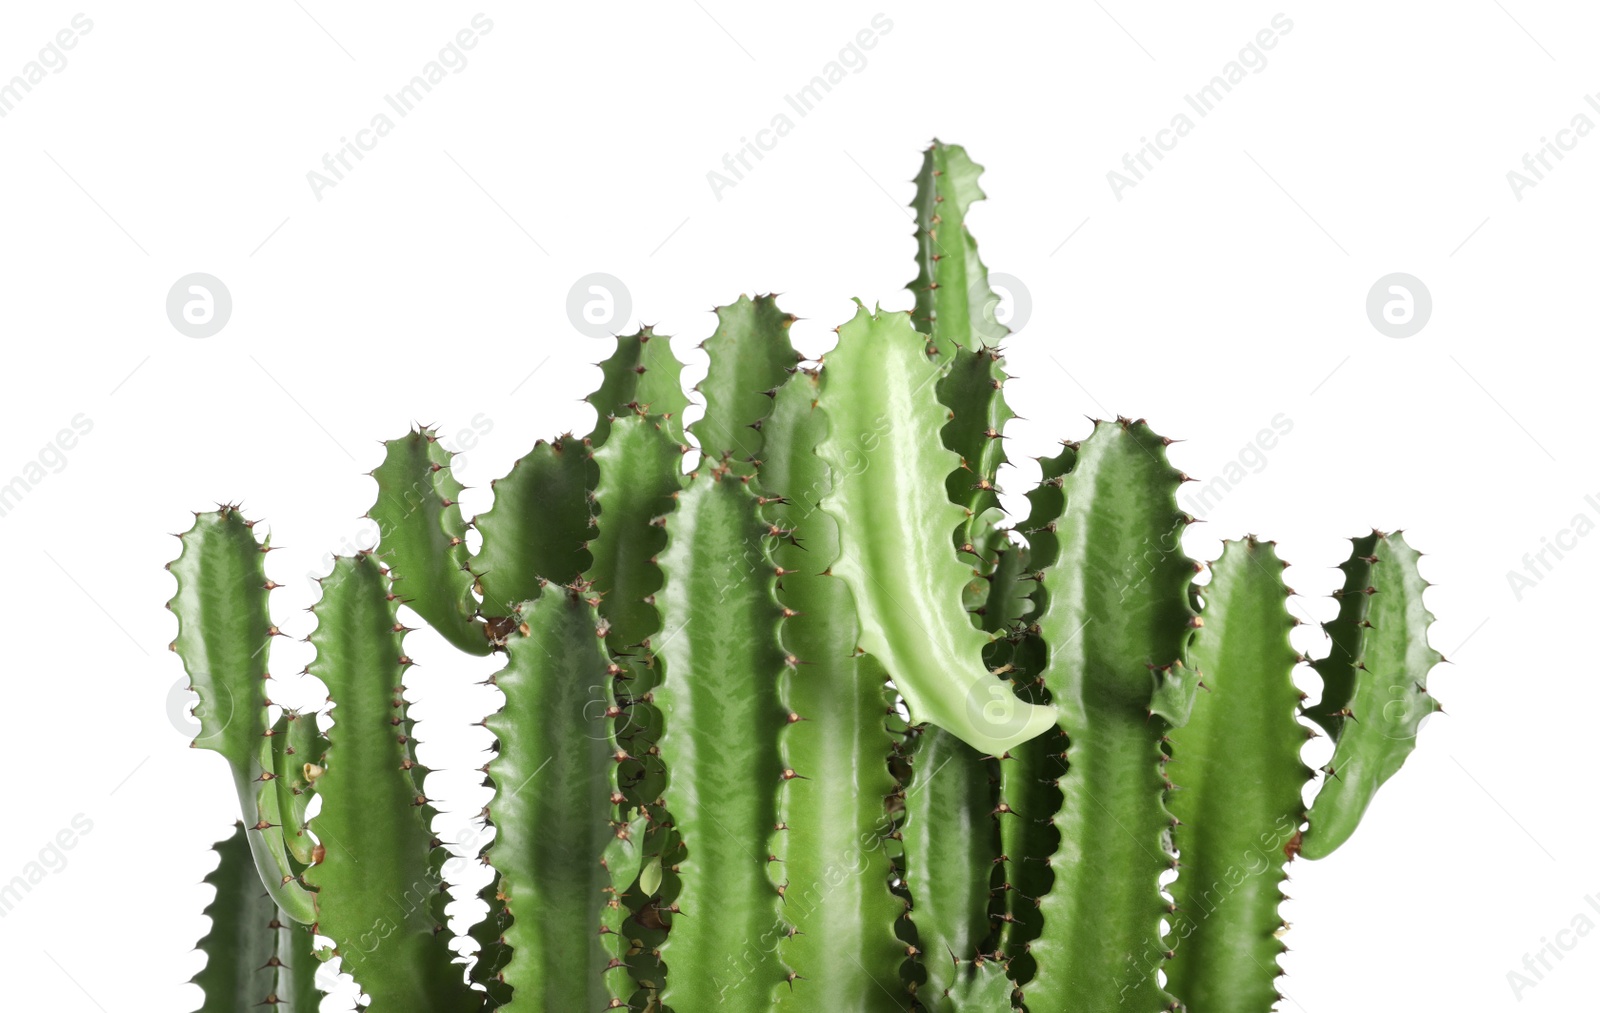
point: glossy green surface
(1029, 771)
(296, 742)
(555, 778)
(641, 375)
(224, 629)
(1237, 764)
(539, 527)
(979, 986)
(750, 358)
(1118, 611)
(1375, 693)
(952, 842)
(378, 881)
(424, 537)
(837, 851)
(639, 473)
(877, 390)
(954, 304)
(251, 953)
(719, 700)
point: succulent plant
(823, 730)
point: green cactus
(809, 725)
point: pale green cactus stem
(906, 577)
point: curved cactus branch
(906, 578)
(224, 628)
(1375, 684)
(1238, 762)
(297, 748)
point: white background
(431, 284)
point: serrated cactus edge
(795, 718)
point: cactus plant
(806, 725)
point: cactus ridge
(255, 955)
(1375, 684)
(811, 725)
(1241, 805)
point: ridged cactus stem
(424, 537)
(952, 843)
(538, 528)
(379, 882)
(955, 306)
(557, 809)
(1030, 772)
(224, 629)
(639, 474)
(255, 956)
(837, 853)
(1375, 684)
(297, 753)
(906, 577)
(722, 717)
(641, 376)
(1238, 765)
(750, 358)
(1118, 623)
